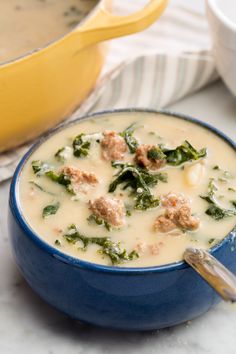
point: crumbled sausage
(164, 224)
(173, 200)
(57, 231)
(109, 209)
(177, 214)
(78, 176)
(80, 180)
(154, 249)
(184, 219)
(113, 146)
(140, 247)
(141, 157)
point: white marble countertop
(28, 325)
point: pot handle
(103, 25)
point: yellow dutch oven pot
(41, 88)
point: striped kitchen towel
(151, 69)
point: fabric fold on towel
(154, 79)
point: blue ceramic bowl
(115, 297)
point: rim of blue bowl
(73, 261)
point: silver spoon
(213, 272)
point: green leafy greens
(210, 196)
(60, 154)
(233, 202)
(218, 213)
(175, 157)
(108, 248)
(41, 168)
(93, 219)
(215, 210)
(81, 146)
(183, 153)
(50, 210)
(156, 153)
(130, 140)
(216, 168)
(211, 241)
(42, 189)
(140, 181)
(63, 153)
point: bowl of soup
(51, 54)
(102, 210)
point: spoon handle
(214, 272)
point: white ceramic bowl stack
(222, 21)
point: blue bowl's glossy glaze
(122, 298)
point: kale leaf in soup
(183, 153)
(50, 209)
(107, 247)
(130, 140)
(215, 210)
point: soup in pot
(29, 24)
(130, 189)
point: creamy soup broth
(29, 24)
(189, 180)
